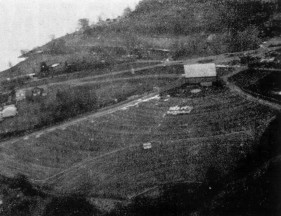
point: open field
(109, 88)
(103, 156)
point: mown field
(103, 156)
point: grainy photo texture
(140, 108)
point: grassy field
(108, 89)
(104, 156)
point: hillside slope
(105, 152)
(188, 28)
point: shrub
(69, 103)
(228, 42)
(244, 40)
(22, 183)
(194, 45)
(70, 206)
(57, 47)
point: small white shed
(9, 111)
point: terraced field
(104, 156)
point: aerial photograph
(140, 108)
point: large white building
(200, 73)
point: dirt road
(247, 95)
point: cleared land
(108, 88)
(103, 156)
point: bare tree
(58, 46)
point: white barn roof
(200, 70)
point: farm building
(8, 111)
(204, 74)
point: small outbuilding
(8, 111)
